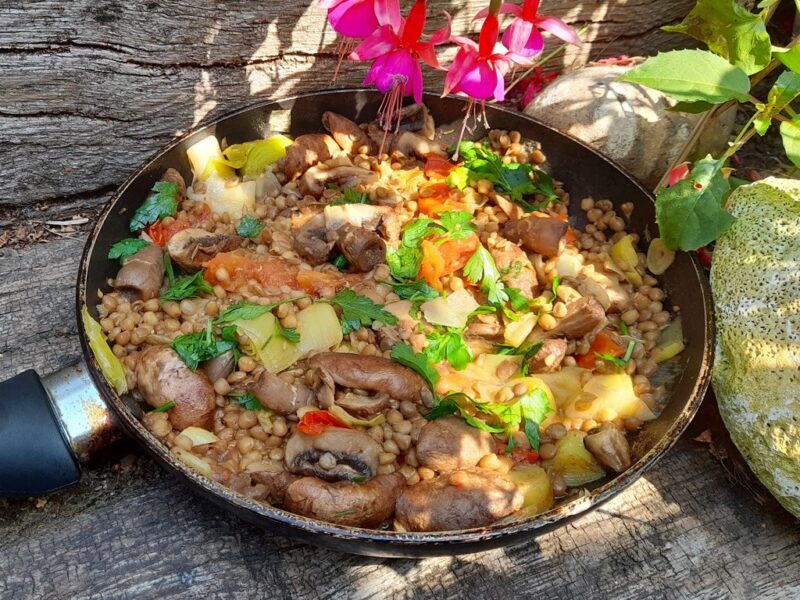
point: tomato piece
(314, 282)
(436, 165)
(173, 228)
(156, 233)
(456, 253)
(434, 205)
(316, 421)
(518, 455)
(432, 267)
(605, 343)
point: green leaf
(125, 248)
(404, 263)
(359, 311)
(245, 311)
(790, 57)
(532, 433)
(416, 291)
(785, 89)
(248, 400)
(350, 196)
(290, 334)
(482, 268)
(161, 203)
(444, 407)
(249, 227)
(405, 355)
(187, 286)
(691, 107)
(729, 30)
(198, 347)
(790, 134)
(691, 213)
(458, 224)
(449, 344)
(340, 262)
(165, 407)
(418, 230)
(458, 178)
(692, 76)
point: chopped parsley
(350, 196)
(161, 203)
(623, 328)
(249, 227)
(449, 344)
(359, 311)
(125, 248)
(619, 362)
(164, 407)
(248, 400)
(458, 224)
(416, 291)
(201, 346)
(245, 311)
(526, 349)
(417, 361)
(482, 268)
(340, 262)
(556, 284)
(290, 334)
(187, 286)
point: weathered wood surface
(89, 88)
(130, 531)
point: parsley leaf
(526, 349)
(404, 263)
(449, 344)
(187, 286)
(198, 347)
(161, 203)
(340, 262)
(169, 269)
(443, 408)
(290, 334)
(125, 248)
(248, 400)
(458, 224)
(164, 407)
(359, 311)
(416, 291)
(405, 355)
(249, 227)
(482, 268)
(244, 310)
(350, 196)
(418, 230)
(619, 362)
(556, 284)
(623, 328)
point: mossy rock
(756, 282)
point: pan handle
(47, 427)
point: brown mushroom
(516, 267)
(412, 144)
(610, 447)
(345, 503)
(449, 443)
(142, 273)
(350, 137)
(276, 483)
(191, 248)
(219, 367)
(584, 316)
(162, 377)
(278, 395)
(381, 219)
(363, 249)
(457, 500)
(372, 373)
(311, 241)
(543, 235)
(548, 358)
(362, 406)
(306, 151)
(335, 454)
(316, 178)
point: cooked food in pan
(374, 330)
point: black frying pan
(46, 429)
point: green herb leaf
(619, 362)
(359, 479)
(228, 334)
(536, 405)
(482, 268)
(458, 178)
(517, 300)
(790, 57)
(556, 283)
(187, 286)
(249, 227)
(245, 311)
(458, 224)
(531, 429)
(449, 344)
(692, 76)
(198, 347)
(416, 291)
(790, 134)
(168, 268)
(290, 334)
(785, 89)
(359, 311)
(125, 248)
(164, 407)
(691, 213)
(418, 230)
(729, 30)
(248, 400)
(404, 263)
(350, 196)
(340, 262)
(405, 355)
(161, 203)
(623, 328)
(444, 407)
(528, 351)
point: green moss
(756, 282)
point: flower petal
(516, 36)
(463, 61)
(442, 35)
(329, 4)
(559, 29)
(427, 54)
(379, 43)
(480, 80)
(414, 85)
(464, 42)
(505, 8)
(388, 13)
(353, 18)
(500, 85)
(534, 45)
(396, 67)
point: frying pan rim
(284, 519)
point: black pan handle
(35, 454)
(48, 427)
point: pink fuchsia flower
(396, 49)
(523, 36)
(351, 18)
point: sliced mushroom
(606, 290)
(316, 178)
(362, 406)
(193, 247)
(412, 144)
(373, 374)
(142, 273)
(345, 503)
(173, 176)
(448, 444)
(548, 358)
(375, 218)
(610, 447)
(457, 500)
(543, 235)
(311, 241)
(490, 330)
(584, 316)
(363, 249)
(276, 482)
(278, 395)
(306, 151)
(335, 454)
(350, 137)
(516, 267)
(219, 367)
(417, 119)
(162, 377)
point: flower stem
(741, 138)
(494, 6)
(545, 59)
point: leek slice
(110, 365)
